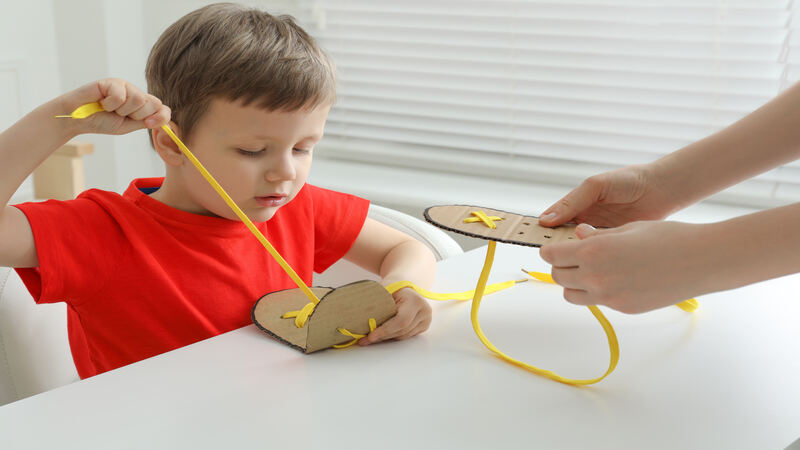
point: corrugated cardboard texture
(513, 229)
(350, 306)
(268, 310)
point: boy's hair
(234, 52)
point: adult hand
(636, 267)
(614, 198)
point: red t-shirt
(141, 278)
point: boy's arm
(23, 147)
(34, 137)
(396, 257)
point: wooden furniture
(61, 175)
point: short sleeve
(78, 245)
(338, 219)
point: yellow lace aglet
(688, 305)
(83, 111)
(541, 276)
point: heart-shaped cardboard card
(349, 307)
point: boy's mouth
(271, 200)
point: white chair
(34, 349)
(441, 244)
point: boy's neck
(172, 195)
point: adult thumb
(571, 205)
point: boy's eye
(251, 153)
(303, 151)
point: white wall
(28, 61)
(98, 39)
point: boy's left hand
(413, 317)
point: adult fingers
(577, 297)
(567, 277)
(561, 254)
(580, 198)
(584, 231)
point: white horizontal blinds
(793, 50)
(539, 90)
(788, 186)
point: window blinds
(548, 91)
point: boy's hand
(127, 108)
(637, 267)
(413, 317)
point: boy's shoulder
(92, 209)
(323, 201)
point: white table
(725, 377)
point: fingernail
(584, 230)
(548, 217)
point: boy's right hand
(127, 108)
(613, 198)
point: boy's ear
(166, 147)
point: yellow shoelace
(477, 294)
(481, 216)
(613, 344)
(356, 337)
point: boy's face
(261, 158)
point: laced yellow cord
(467, 295)
(613, 344)
(356, 337)
(481, 216)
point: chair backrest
(442, 246)
(440, 243)
(34, 349)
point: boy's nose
(281, 167)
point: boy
(167, 263)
